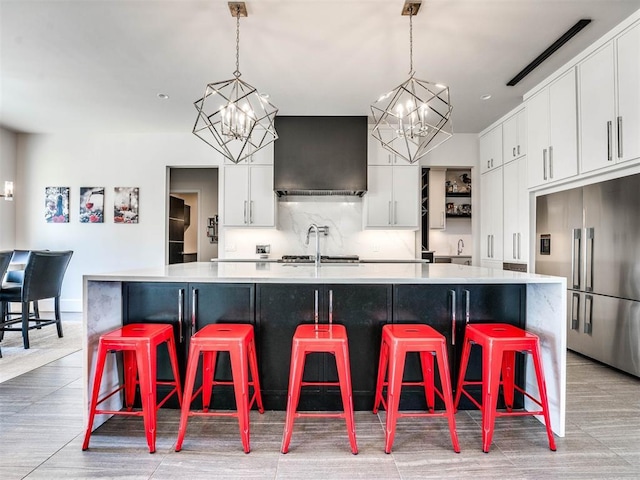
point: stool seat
(329, 338)
(500, 342)
(239, 341)
(397, 341)
(139, 343)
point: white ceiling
(98, 65)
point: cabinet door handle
(244, 214)
(588, 314)
(550, 162)
(395, 212)
(315, 309)
(514, 246)
(442, 219)
(492, 163)
(330, 307)
(518, 149)
(389, 161)
(544, 164)
(488, 246)
(390, 214)
(492, 252)
(519, 246)
(619, 137)
(609, 141)
(488, 163)
(575, 309)
(453, 316)
(194, 309)
(467, 309)
(514, 151)
(180, 313)
(251, 211)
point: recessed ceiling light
(163, 96)
(486, 96)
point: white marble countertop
(272, 272)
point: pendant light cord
(411, 40)
(237, 72)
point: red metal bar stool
(397, 340)
(499, 343)
(329, 338)
(238, 340)
(138, 343)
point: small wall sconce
(8, 191)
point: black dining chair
(43, 278)
(5, 259)
(12, 281)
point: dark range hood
(320, 156)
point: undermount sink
(324, 259)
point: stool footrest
(325, 415)
(422, 414)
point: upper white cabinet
(378, 155)
(597, 110)
(437, 190)
(249, 200)
(491, 211)
(516, 211)
(514, 136)
(393, 196)
(610, 103)
(491, 149)
(552, 132)
(628, 119)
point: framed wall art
(125, 204)
(56, 204)
(91, 204)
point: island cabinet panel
(363, 309)
(188, 307)
(448, 308)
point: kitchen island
(275, 297)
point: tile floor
(41, 436)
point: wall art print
(91, 204)
(125, 204)
(56, 204)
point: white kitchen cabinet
(552, 132)
(491, 149)
(597, 110)
(437, 191)
(393, 197)
(514, 136)
(628, 118)
(516, 211)
(249, 200)
(491, 211)
(378, 155)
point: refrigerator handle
(588, 314)
(575, 311)
(576, 254)
(589, 259)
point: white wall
(8, 159)
(115, 160)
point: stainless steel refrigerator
(591, 236)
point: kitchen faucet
(322, 229)
(460, 246)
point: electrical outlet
(263, 249)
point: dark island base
(276, 309)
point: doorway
(194, 193)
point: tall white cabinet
(552, 132)
(516, 211)
(491, 215)
(393, 196)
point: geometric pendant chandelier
(415, 117)
(233, 117)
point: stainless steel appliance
(591, 236)
(323, 259)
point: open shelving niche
(458, 193)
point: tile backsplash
(343, 216)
